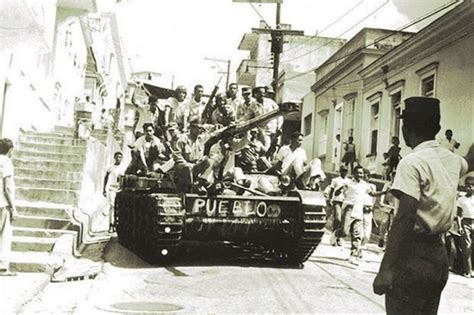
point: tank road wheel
(165, 228)
(122, 212)
(313, 221)
(309, 229)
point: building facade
(332, 112)
(300, 54)
(435, 62)
(47, 69)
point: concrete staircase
(48, 177)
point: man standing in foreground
(414, 269)
(7, 207)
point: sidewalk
(16, 291)
(457, 297)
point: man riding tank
(291, 161)
(222, 161)
(147, 113)
(173, 103)
(263, 105)
(148, 153)
(243, 110)
(187, 151)
(223, 113)
(233, 99)
(252, 153)
(191, 109)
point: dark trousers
(466, 244)
(336, 215)
(419, 277)
(353, 227)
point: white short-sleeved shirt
(6, 169)
(287, 157)
(430, 174)
(354, 196)
(337, 183)
(467, 206)
(114, 172)
(368, 199)
(257, 109)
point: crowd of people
(200, 144)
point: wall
(453, 87)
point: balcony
(86, 5)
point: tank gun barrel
(243, 126)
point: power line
(259, 14)
(414, 22)
(300, 45)
(401, 66)
(341, 17)
(332, 40)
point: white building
(54, 55)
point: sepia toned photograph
(236, 156)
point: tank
(157, 224)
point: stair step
(47, 133)
(42, 233)
(47, 174)
(64, 140)
(60, 148)
(33, 244)
(46, 210)
(45, 156)
(47, 183)
(30, 261)
(47, 165)
(64, 130)
(63, 196)
(43, 223)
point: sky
(173, 37)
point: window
(349, 117)
(427, 86)
(374, 126)
(323, 132)
(373, 142)
(427, 76)
(308, 121)
(396, 109)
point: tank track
(313, 221)
(150, 225)
(308, 233)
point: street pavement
(326, 284)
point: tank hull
(155, 226)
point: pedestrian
(393, 156)
(368, 211)
(350, 154)
(336, 198)
(111, 186)
(465, 205)
(8, 211)
(449, 142)
(414, 269)
(353, 213)
(389, 206)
